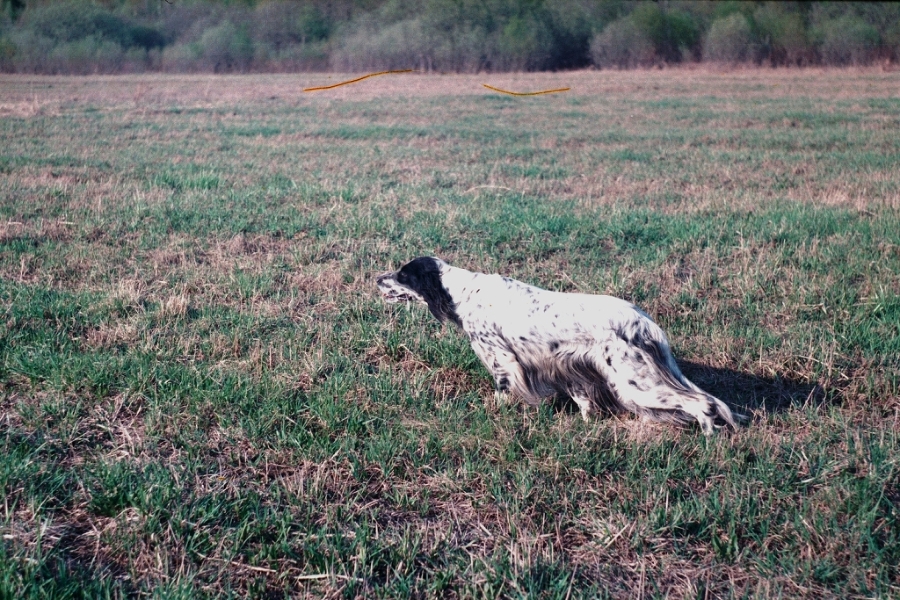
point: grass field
(202, 394)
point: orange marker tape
(328, 87)
(526, 93)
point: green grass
(202, 394)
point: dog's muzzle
(394, 292)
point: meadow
(203, 395)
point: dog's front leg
(503, 394)
(508, 375)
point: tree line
(117, 36)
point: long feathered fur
(603, 352)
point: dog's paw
(502, 399)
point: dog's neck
(455, 280)
(461, 285)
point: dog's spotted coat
(601, 351)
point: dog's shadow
(747, 393)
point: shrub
(179, 58)
(311, 56)
(73, 21)
(674, 34)
(682, 36)
(402, 45)
(847, 40)
(7, 54)
(12, 9)
(466, 51)
(282, 24)
(572, 25)
(729, 40)
(782, 35)
(891, 40)
(622, 44)
(146, 38)
(29, 52)
(87, 55)
(465, 35)
(524, 44)
(226, 47)
(463, 48)
(427, 42)
(183, 22)
(79, 37)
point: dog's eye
(402, 277)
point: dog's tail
(731, 417)
(647, 381)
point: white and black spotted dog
(603, 352)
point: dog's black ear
(423, 276)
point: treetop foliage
(83, 36)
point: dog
(601, 351)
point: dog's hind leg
(645, 384)
(584, 404)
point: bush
(30, 52)
(311, 56)
(674, 34)
(466, 35)
(87, 55)
(848, 40)
(279, 25)
(622, 44)
(891, 40)
(71, 21)
(180, 58)
(402, 45)
(572, 25)
(466, 50)
(729, 40)
(417, 43)
(524, 44)
(12, 9)
(74, 21)
(7, 54)
(146, 38)
(463, 48)
(184, 23)
(682, 36)
(782, 35)
(226, 47)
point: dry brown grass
(148, 94)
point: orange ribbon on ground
(328, 87)
(565, 89)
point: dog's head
(420, 281)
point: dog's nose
(382, 277)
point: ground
(202, 394)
